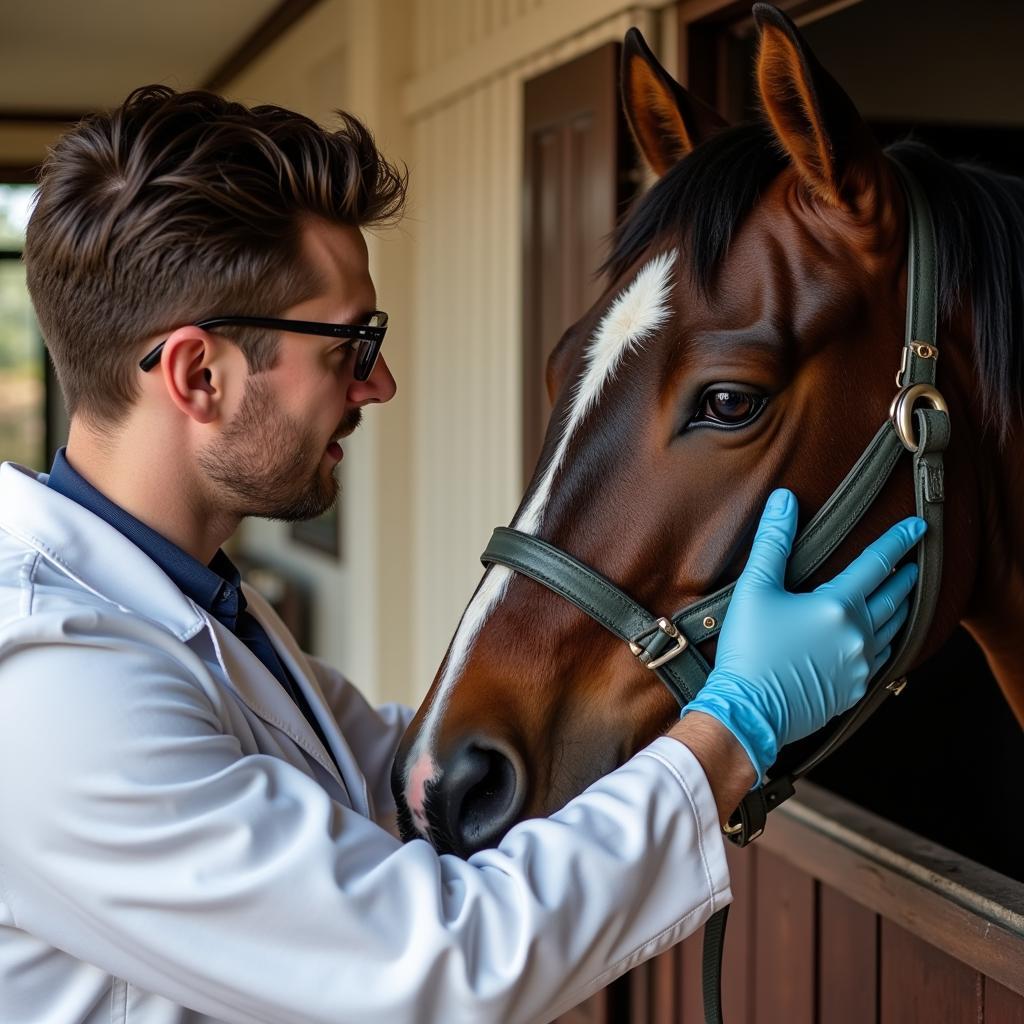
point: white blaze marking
(639, 311)
(632, 318)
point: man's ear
(666, 120)
(813, 119)
(186, 374)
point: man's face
(276, 457)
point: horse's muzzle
(478, 797)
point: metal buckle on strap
(668, 627)
(901, 412)
(922, 350)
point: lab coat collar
(99, 558)
(91, 552)
(297, 663)
(263, 694)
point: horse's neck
(995, 613)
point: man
(195, 817)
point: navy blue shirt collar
(215, 588)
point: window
(23, 385)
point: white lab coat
(176, 846)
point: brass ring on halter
(901, 412)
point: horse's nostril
(481, 795)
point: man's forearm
(725, 763)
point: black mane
(979, 225)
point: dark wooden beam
(18, 174)
(276, 23)
(41, 116)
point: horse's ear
(813, 118)
(666, 120)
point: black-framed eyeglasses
(367, 337)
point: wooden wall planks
(1001, 1005)
(847, 953)
(784, 942)
(921, 983)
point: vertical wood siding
(465, 366)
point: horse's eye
(727, 407)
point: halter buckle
(901, 411)
(668, 627)
(922, 350)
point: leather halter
(667, 645)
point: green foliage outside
(15, 206)
(22, 367)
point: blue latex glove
(787, 663)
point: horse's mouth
(434, 832)
(407, 831)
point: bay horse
(747, 339)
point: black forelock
(701, 201)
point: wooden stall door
(576, 180)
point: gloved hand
(787, 663)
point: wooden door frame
(576, 77)
(703, 29)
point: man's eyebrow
(363, 315)
(354, 319)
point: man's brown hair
(180, 206)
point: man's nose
(380, 386)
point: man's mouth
(346, 427)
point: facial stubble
(267, 464)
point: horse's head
(748, 339)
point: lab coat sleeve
(137, 837)
(372, 733)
